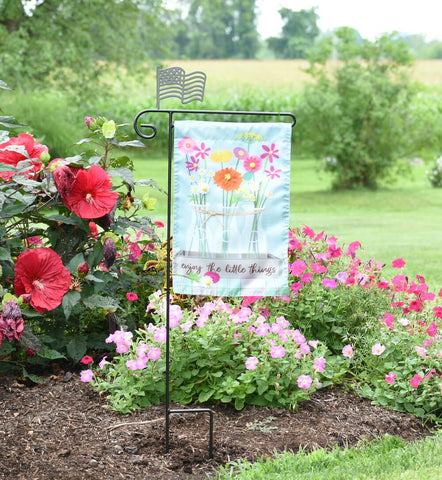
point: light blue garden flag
(231, 208)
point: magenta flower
(131, 296)
(86, 376)
(329, 283)
(416, 380)
(295, 287)
(318, 268)
(202, 151)
(270, 152)
(252, 164)
(398, 263)
(187, 145)
(86, 360)
(252, 363)
(432, 329)
(240, 153)
(390, 377)
(305, 381)
(277, 351)
(192, 164)
(298, 267)
(273, 173)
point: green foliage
(359, 114)
(435, 174)
(298, 33)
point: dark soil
(63, 430)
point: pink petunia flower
(398, 263)
(298, 267)
(131, 296)
(416, 380)
(348, 351)
(432, 329)
(390, 377)
(86, 360)
(377, 349)
(86, 376)
(277, 351)
(329, 283)
(252, 363)
(154, 353)
(305, 381)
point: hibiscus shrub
(74, 244)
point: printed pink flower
(240, 153)
(252, 363)
(390, 377)
(10, 157)
(416, 380)
(86, 376)
(41, 273)
(277, 351)
(187, 145)
(377, 349)
(305, 381)
(86, 360)
(192, 164)
(202, 151)
(398, 263)
(252, 164)
(213, 276)
(348, 351)
(270, 152)
(273, 172)
(131, 296)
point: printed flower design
(228, 179)
(240, 153)
(41, 273)
(270, 152)
(273, 172)
(192, 164)
(187, 145)
(252, 164)
(88, 193)
(221, 156)
(202, 151)
(12, 158)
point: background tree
(298, 33)
(73, 41)
(359, 115)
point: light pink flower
(329, 283)
(103, 363)
(377, 349)
(86, 375)
(305, 381)
(175, 315)
(319, 364)
(160, 335)
(277, 351)
(348, 351)
(252, 363)
(154, 353)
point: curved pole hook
(137, 127)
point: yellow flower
(221, 156)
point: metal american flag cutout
(175, 82)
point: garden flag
(231, 208)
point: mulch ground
(63, 430)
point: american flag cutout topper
(231, 208)
(175, 82)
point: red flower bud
(110, 252)
(88, 121)
(83, 268)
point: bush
(435, 174)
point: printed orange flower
(41, 273)
(89, 195)
(228, 179)
(11, 157)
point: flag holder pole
(174, 82)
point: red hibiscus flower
(88, 192)
(12, 157)
(40, 273)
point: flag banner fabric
(231, 208)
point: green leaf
(96, 255)
(34, 378)
(239, 403)
(204, 396)
(75, 262)
(69, 301)
(99, 301)
(148, 202)
(6, 348)
(131, 143)
(49, 353)
(76, 348)
(124, 173)
(5, 254)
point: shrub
(435, 174)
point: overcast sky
(370, 17)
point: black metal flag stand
(174, 82)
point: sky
(370, 17)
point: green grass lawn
(399, 220)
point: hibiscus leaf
(75, 262)
(4, 85)
(69, 301)
(124, 173)
(99, 301)
(76, 348)
(84, 140)
(34, 378)
(50, 353)
(131, 143)
(5, 254)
